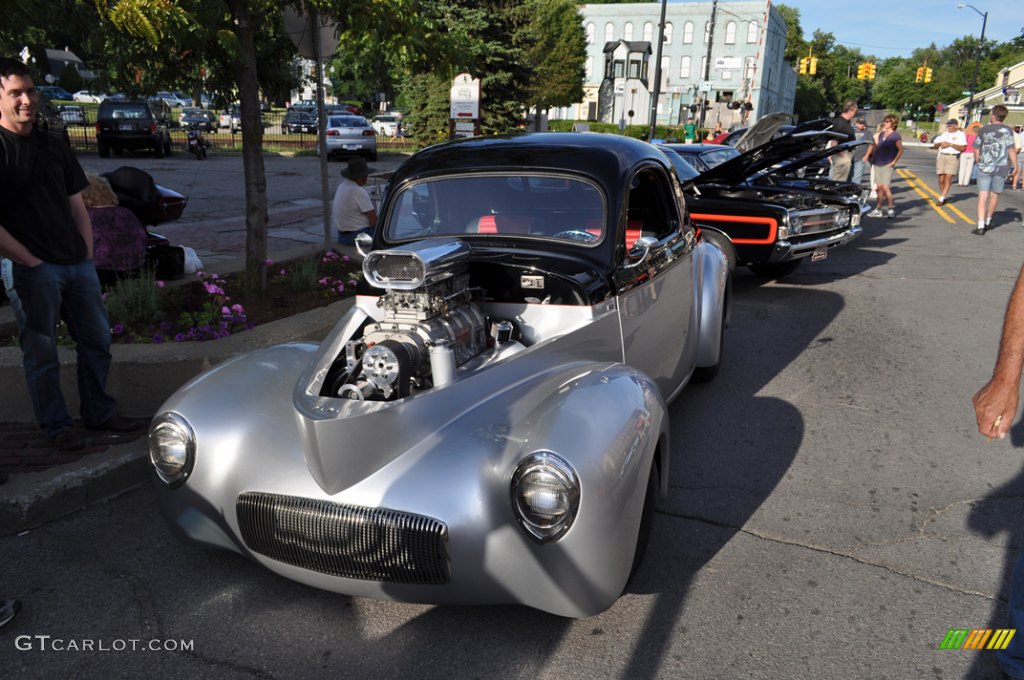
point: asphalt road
(832, 512)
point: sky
(894, 28)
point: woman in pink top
(967, 159)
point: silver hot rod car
(488, 422)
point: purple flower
(180, 337)
(160, 284)
(213, 289)
(238, 309)
(117, 329)
(344, 258)
(158, 338)
(165, 326)
(269, 262)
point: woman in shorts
(885, 150)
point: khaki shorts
(947, 163)
(883, 175)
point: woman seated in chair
(119, 238)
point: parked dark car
(193, 116)
(131, 126)
(298, 120)
(488, 423)
(72, 114)
(759, 213)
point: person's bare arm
(12, 249)
(81, 216)
(995, 404)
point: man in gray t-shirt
(996, 157)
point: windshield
(346, 121)
(544, 206)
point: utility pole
(707, 61)
(657, 74)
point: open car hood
(761, 131)
(794, 147)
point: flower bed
(145, 310)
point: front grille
(372, 544)
(818, 221)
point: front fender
(714, 281)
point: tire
(724, 244)
(167, 147)
(643, 534)
(104, 149)
(776, 270)
(703, 374)
(158, 150)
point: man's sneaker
(980, 230)
(68, 440)
(118, 423)
(942, 200)
(875, 213)
(892, 214)
(988, 221)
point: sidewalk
(43, 483)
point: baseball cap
(952, 121)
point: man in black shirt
(46, 232)
(843, 160)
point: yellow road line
(927, 193)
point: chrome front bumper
(788, 250)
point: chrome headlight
(796, 225)
(545, 495)
(172, 448)
(843, 218)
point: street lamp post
(657, 73)
(977, 57)
(707, 61)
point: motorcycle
(196, 142)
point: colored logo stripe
(980, 638)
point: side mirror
(363, 244)
(643, 247)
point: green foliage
(134, 301)
(71, 79)
(556, 47)
(304, 274)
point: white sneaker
(892, 213)
(875, 213)
(988, 221)
(942, 199)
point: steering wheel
(577, 235)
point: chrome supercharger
(430, 325)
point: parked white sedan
(350, 135)
(88, 97)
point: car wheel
(158, 150)
(167, 147)
(776, 270)
(724, 244)
(104, 150)
(643, 535)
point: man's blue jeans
(1012, 658)
(857, 174)
(42, 296)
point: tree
(557, 52)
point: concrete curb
(142, 377)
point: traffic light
(803, 65)
(920, 74)
(814, 65)
(870, 70)
(862, 72)
(928, 75)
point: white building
(713, 52)
(1006, 90)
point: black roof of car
(609, 161)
